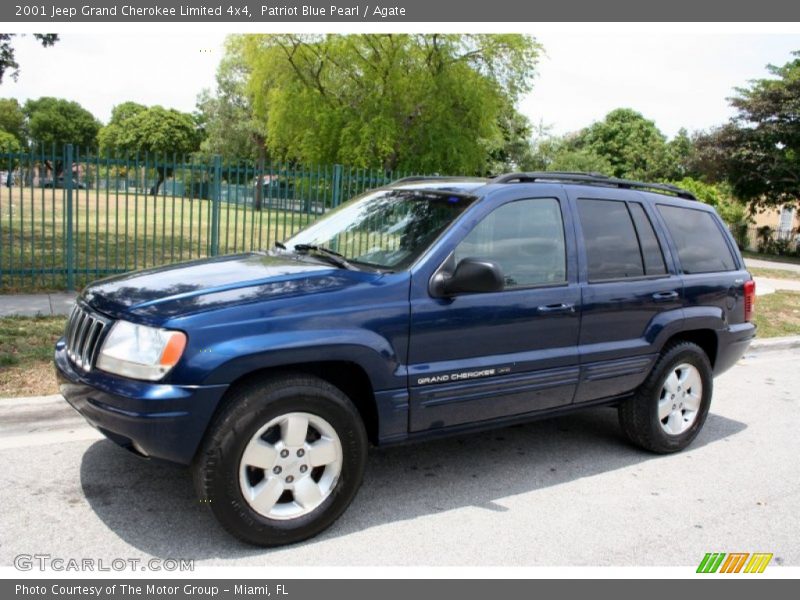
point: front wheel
(283, 460)
(667, 412)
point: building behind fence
(68, 218)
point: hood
(199, 285)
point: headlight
(140, 352)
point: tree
(55, 122)
(9, 144)
(758, 150)
(110, 137)
(624, 144)
(12, 119)
(560, 154)
(157, 131)
(580, 160)
(226, 116)
(681, 153)
(632, 145)
(428, 103)
(515, 151)
(8, 60)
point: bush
(765, 238)
(782, 246)
(740, 235)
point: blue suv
(429, 307)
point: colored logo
(734, 562)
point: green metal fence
(69, 217)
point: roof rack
(413, 178)
(592, 179)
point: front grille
(84, 333)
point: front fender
(227, 361)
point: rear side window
(651, 249)
(612, 248)
(699, 240)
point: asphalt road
(567, 491)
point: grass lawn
(774, 273)
(26, 343)
(778, 314)
(26, 355)
(771, 257)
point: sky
(100, 70)
(676, 79)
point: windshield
(386, 229)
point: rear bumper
(733, 343)
(156, 420)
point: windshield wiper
(331, 256)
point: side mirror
(472, 275)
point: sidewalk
(769, 285)
(31, 305)
(768, 264)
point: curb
(778, 343)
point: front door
(475, 357)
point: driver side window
(526, 238)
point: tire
(267, 480)
(668, 410)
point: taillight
(749, 299)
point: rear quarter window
(699, 240)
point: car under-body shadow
(152, 505)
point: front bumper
(152, 419)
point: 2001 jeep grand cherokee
(428, 307)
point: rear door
(481, 356)
(628, 286)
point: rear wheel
(669, 409)
(283, 460)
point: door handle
(557, 308)
(665, 296)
